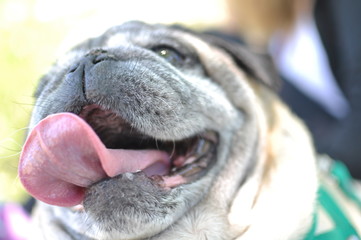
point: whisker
(10, 156)
(173, 150)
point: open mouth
(65, 154)
(181, 161)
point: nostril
(92, 58)
(73, 68)
(102, 57)
(99, 59)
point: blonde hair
(257, 20)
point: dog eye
(169, 54)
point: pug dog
(158, 132)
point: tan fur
(284, 172)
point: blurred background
(315, 45)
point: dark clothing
(338, 23)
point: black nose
(89, 60)
(79, 72)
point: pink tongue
(63, 155)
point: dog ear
(259, 66)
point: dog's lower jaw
(136, 207)
(129, 225)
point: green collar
(343, 228)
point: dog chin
(146, 210)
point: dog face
(137, 131)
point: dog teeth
(190, 160)
(129, 175)
(196, 166)
(77, 208)
(211, 137)
(203, 146)
(196, 161)
(189, 170)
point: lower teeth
(196, 162)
